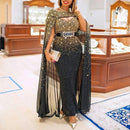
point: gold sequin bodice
(68, 44)
(66, 25)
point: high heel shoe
(73, 125)
(61, 116)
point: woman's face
(66, 2)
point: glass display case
(110, 60)
(35, 11)
(120, 15)
(110, 43)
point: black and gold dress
(60, 91)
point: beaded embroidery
(55, 19)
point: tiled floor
(18, 108)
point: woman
(58, 96)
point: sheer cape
(48, 97)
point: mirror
(119, 17)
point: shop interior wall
(17, 9)
(93, 13)
(97, 12)
(17, 12)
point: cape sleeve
(42, 96)
(84, 101)
(50, 21)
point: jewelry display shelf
(120, 15)
(35, 11)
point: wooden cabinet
(35, 11)
(110, 56)
(21, 39)
(120, 15)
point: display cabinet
(120, 15)
(35, 11)
(110, 54)
(21, 39)
(110, 43)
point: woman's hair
(72, 6)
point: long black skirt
(67, 68)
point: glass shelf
(120, 45)
(98, 46)
(110, 43)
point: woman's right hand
(49, 56)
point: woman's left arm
(82, 22)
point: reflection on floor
(18, 108)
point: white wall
(97, 18)
(97, 13)
(83, 6)
(17, 12)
